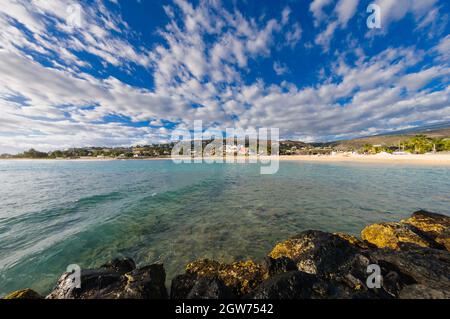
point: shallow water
(56, 213)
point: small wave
(62, 209)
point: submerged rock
(121, 266)
(110, 282)
(391, 235)
(24, 294)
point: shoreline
(412, 256)
(425, 159)
(417, 159)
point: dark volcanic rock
(422, 229)
(354, 241)
(108, 283)
(279, 265)
(93, 281)
(241, 277)
(210, 288)
(418, 267)
(432, 225)
(341, 265)
(316, 252)
(145, 283)
(190, 286)
(423, 292)
(392, 235)
(182, 286)
(300, 285)
(444, 239)
(288, 285)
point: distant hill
(390, 139)
(298, 144)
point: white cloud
(94, 35)
(443, 48)
(417, 80)
(394, 10)
(293, 36)
(345, 10)
(424, 12)
(280, 68)
(316, 7)
(324, 38)
(375, 101)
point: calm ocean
(56, 213)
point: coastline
(411, 259)
(416, 159)
(422, 159)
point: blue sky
(116, 72)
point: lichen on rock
(204, 267)
(316, 252)
(444, 239)
(24, 294)
(430, 223)
(240, 276)
(435, 226)
(355, 241)
(391, 234)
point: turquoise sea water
(56, 213)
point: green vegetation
(32, 153)
(375, 149)
(419, 144)
(156, 150)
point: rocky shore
(413, 257)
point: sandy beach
(421, 159)
(417, 159)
